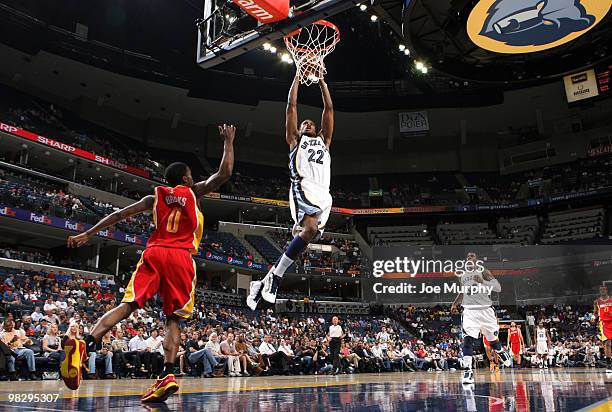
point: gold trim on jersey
(199, 230)
(129, 294)
(187, 309)
(602, 337)
(155, 207)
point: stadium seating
(399, 235)
(467, 234)
(574, 226)
(265, 248)
(521, 230)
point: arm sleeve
(494, 283)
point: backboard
(226, 31)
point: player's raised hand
(454, 309)
(228, 133)
(478, 279)
(78, 240)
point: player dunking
(309, 197)
(542, 339)
(516, 343)
(478, 315)
(165, 267)
(602, 310)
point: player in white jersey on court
(478, 314)
(543, 342)
(309, 197)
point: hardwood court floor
(511, 390)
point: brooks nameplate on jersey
(177, 218)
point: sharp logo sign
(7, 128)
(54, 143)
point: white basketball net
(309, 46)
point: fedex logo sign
(133, 239)
(106, 233)
(7, 211)
(40, 219)
(77, 227)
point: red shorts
(169, 271)
(516, 348)
(605, 330)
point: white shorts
(542, 348)
(308, 198)
(477, 321)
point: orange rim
(309, 50)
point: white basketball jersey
(541, 336)
(310, 160)
(476, 300)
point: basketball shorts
(605, 330)
(309, 198)
(477, 321)
(171, 272)
(542, 348)
(516, 348)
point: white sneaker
(468, 377)
(268, 292)
(505, 357)
(254, 294)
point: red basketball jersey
(515, 336)
(605, 309)
(178, 220)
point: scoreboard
(603, 74)
(589, 84)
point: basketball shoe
(270, 288)
(70, 369)
(254, 293)
(504, 357)
(161, 389)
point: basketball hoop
(309, 46)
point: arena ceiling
(157, 41)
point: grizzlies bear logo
(525, 26)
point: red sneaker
(161, 389)
(70, 370)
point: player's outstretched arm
(228, 133)
(327, 118)
(457, 302)
(291, 115)
(143, 205)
